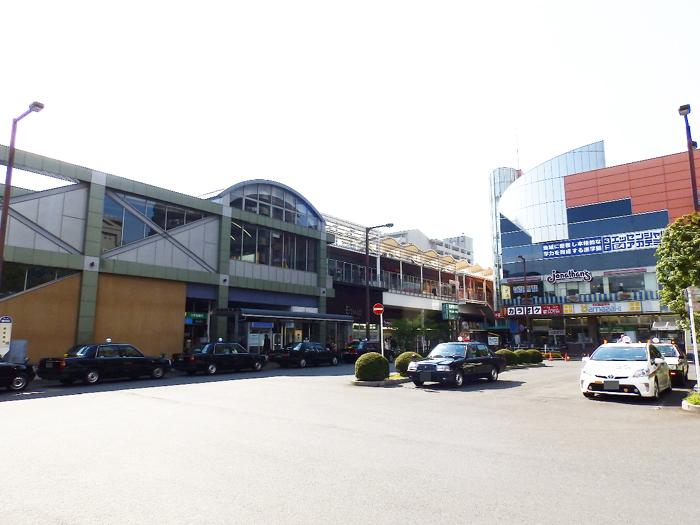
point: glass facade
(20, 277)
(260, 245)
(121, 225)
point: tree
(678, 264)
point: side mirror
(585, 359)
(658, 360)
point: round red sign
(378, 309)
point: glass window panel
(136, 202)
(263, 252)
(248, 234)
(37, 275)
(311, 255)
(277, 197)
(236, 199)
(277, 248)
(290, 217)
(174, 217)
(312, 221)
(251, 191)
(277, 213)
(133, 228)
(251, 206)
(290, 202)
(13, 279)
(156, 212)
(236, 241)
(300, 263)
(264, 209)
(263, 193)
(112, 220)
(288, 258)
(192, 216)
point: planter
(385, 383)
(690, 408)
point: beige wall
(148, 313)
(45, 316)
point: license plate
(425, 376)
(611, 385)
(49, 364)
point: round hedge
(371, 367)
(509, 356)
(522, 356)
(404, 359)
(535, 356)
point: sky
(376, 111)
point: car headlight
(412, 366)
(443, 368)
(641, 373)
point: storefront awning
(254, 313)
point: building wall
(148, 313)
(45, 316)
(656, 184)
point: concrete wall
(45, 316)
(148, 313)
(272, 273)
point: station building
(580, 239)
(105, 256)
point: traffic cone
(550, 357)
(566, 356)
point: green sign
(202, 316)
(450, 311)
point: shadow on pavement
(42, 389)
(469, 386)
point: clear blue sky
(375, 110)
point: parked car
(355, 349)
(15, 377)
(625, 369)
(93, 362)
(453, 362)
(676, 360)
(213, 357)
(303, 354)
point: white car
(677, 362)
(625, 369)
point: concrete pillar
(220, 324)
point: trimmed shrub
(534, 355)
(509, 355)
(522, 356)
(693, 399)
(371, 367)
(404, 359)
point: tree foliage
(678, 264)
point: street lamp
(367, 230)
(683, 112)
(33, 107)
(526, 300)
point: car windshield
(447, 350)
(296, 346)
(78, 351)
(620, 353)
(206, 349)
(667, 350)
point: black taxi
(218, 356)
(452, 363)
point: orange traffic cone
(550, 357)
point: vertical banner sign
(5, 334)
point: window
(288, 255)
(626, 283)
(156, 212)
(482, 351)
(174, 217)
(263, 252)
(249, 245)
(597, 285)
(277, 246)
(300, 263)
(236, 241)
(222, 350)
(133, 228)
(108, 351)
(129, 351)
(311, 255)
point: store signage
(449, 311)
(493, 340)
(196, 315)
(505, 292)
(568, 276)
(603, 308)
(531, 288)
(540, 309)
(614, 243)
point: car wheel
(211, 369)
(19, 382)
(493, 374)
(157, 372)
(302, 363)
(91, 377)
(459, 379)
(418, 383)
(589, 395)
(66, 381)
(334, 361)
(257, 366)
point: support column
(220, 325)
(401, 273)
(323, 283)
(92, 248)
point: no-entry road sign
(378, 309)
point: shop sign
(195, 318)
(569, 276)
(505, 291)
(531, 288)
(617, 242)
(603, 308)
(493, 340)
(449, 311)
(540, 309)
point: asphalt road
(304, 446)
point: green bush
(522, 356)
(371, 367)
(693, 399)
(402, 361)
(509, 356)
(535, 356)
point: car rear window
(78, 351)
(667, 350)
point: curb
(385, 383)
(522, 367)
(690, 408)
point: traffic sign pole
(381, 332)
(694, 337)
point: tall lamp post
(367, 230)
(33, 107)
(526, 300)
(683, 111)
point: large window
(626, 283)
(261, 245)
(20, 277)
(275, 202)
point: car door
(241, 357)
(309, 353)
(471, 361)
(222, 356)
(482, 352)
(322, 353)
(108, 361)
(133, 362)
